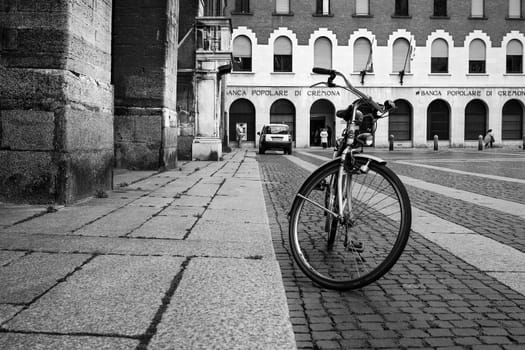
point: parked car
(275, 136)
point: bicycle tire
(381, 222)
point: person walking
(240, 134)
(324, 137)
(489, 139)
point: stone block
(148, 128)
(184, 144)
(27, 130)
(28, 177)
(88, 93)
(124, 128)
(205, 148)
(27, 89)
(133, 155)
(85, 173)
(88, 130)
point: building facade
(205, 57)
(454, 68)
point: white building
(454, 86)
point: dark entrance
(322, 115)
(242, 111)
(438, 120)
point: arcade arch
(322, 115)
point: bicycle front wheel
(356, 249)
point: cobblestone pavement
(431, 298)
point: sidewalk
(181, 259)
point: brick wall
(381, 23)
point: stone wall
(56, 100)
(144, 73)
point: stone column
(56, 100)
(144, 72)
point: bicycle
(350, 220)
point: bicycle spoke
(349, 250)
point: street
(460, 282)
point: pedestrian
(240, 134)
(489, 138)
(324, 137)
(329, 130)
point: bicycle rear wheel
(353, 251)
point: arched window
(323, 53)
(283, 112)
(282, 6)
(322, 115)
(515, 8)
(514, 57)
(440, 8)
(400, 56)
(363, 55)
(400, 121)
(477, 9)
(512, 122)
(322, 7)
(475, 120)
(476, 61)
(242, 54)
(242, 6)
(362, 8)
(282, 56)
(401, 8)
(438, 120)
(242, 111)
(439, 56)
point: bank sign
(281, 92)
(298, 92)
(472, 92)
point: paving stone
(109, 295)
(7, 257)
(238, 304)
(14, 341)
(165, 227)
(8, 311)
(227, 232)
(119, 223)
(32, 275)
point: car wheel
(261, 150)
(289, 150)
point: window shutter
(361, 7)
(326, 7)
(361, 53)
(323, 53)
(439, 48)
(514, 8)
(282, 6)
(242, 47)
(514, 48)
(477, 8)
(282, 46)
(400, 52)
(477, 50)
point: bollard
(391, 143)
(523, 146)
(480, 143)
(436, 139)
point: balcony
(213, 39)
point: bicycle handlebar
(333, 73)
